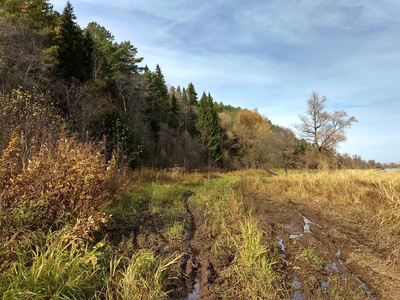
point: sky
(271, 55)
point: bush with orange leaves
(63, 185)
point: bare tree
(322, 129)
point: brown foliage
(31, 116)
(247, 132)
(62, 184)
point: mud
(207, 275)
(299, 228)
(149, 234)
(324, 256)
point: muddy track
(148, 232)
(207, 274)
(347, 253)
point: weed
(312, 255)
(176, 230)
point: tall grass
(252, 270)
(56, 270)
(142, 277)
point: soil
(346, 264)
(350, 267)
(208, 267)
(196, 266)
(149, 235)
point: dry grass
(359, 195)
(174, 175)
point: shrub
(63, 184)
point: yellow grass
(365, 196)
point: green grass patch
(176, 230)
(143, 276)
(311, 254)
(57, 270)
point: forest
(116, 185)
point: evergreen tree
(173, 119)
(157, 100)
(210, 128)
(74, 52)
(191, 95)
(38, 13)
(102, 50)
(191, 121)
(178, 94)
(191, 104)
(161, 89)
(123, 59)
(153, 106)
(185, 100)
(87, 56)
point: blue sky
(272, 54)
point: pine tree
(74, 52)
(210, 129)
(157, 100)
(41, 15)
(161, 89)
(38, 13)
(190, 106)
(173, 118)
(192, 95)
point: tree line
(56, 75)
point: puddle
(280, 242)
(366, 289)
(298, 295)
(308, 222)
(282, 246)
(338, 253)
(196, 290)
(306, 227)
(343, 276)
(333, 266)
(194, 295)
(295, 235)
(287, 226)
(324, 285)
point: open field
(235, 235)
